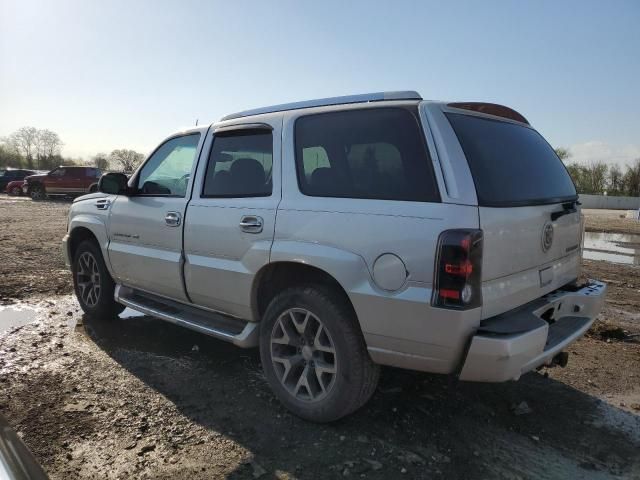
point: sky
(125, 74)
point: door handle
(103, 204)
(172, 219)
(251, 224)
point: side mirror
(113, 183)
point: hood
(90, 196)
(31, 178)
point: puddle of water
(612, 247)
(16, 315)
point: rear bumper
(515, 342)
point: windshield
(511, 164)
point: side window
(58, 172)
(240, 165)
(314, 158)
(376, 153)
(167, 171)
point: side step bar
(239, 332)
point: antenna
(196, 122)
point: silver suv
(346, 233)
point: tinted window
(511, 164)
(58, 172)
(240, 165)
(167, 171)
(372, 153)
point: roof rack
(322, 102)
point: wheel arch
(77, 236)
(83, 227)
(295, 263)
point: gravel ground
(138, 398)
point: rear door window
(240, 165)
(374, 153)
(511, 164)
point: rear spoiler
(491, 109)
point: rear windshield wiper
(567, 208)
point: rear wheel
(92, 282)
(314, 356)
(37, 192)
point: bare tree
(563, 153)
(24, 141)
(48, 147)
(50, 143)
(128, 160)
(596, 177)
(615, 184)
(9, 157)
(631, 179)
(101, 161)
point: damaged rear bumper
(510, 344)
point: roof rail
(321, 102)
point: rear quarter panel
(345, 237)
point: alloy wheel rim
(88, 279)
(303, 355)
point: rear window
(376, 153)
(511, 164)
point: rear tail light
(458, 270)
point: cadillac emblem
(547, 236)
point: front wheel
(37, 192)
(92, 282)
(15, 191)
(314, 356)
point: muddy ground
(610, 221)
(138, 398)
(30, 249)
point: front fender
(96, 224)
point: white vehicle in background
(346, 233)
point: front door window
(167, 172)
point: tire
(16, 192)
(89, 272)
(37, 193)
(336, 384)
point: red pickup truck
(67, 181)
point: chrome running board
(239, 332)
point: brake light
(458, 270)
